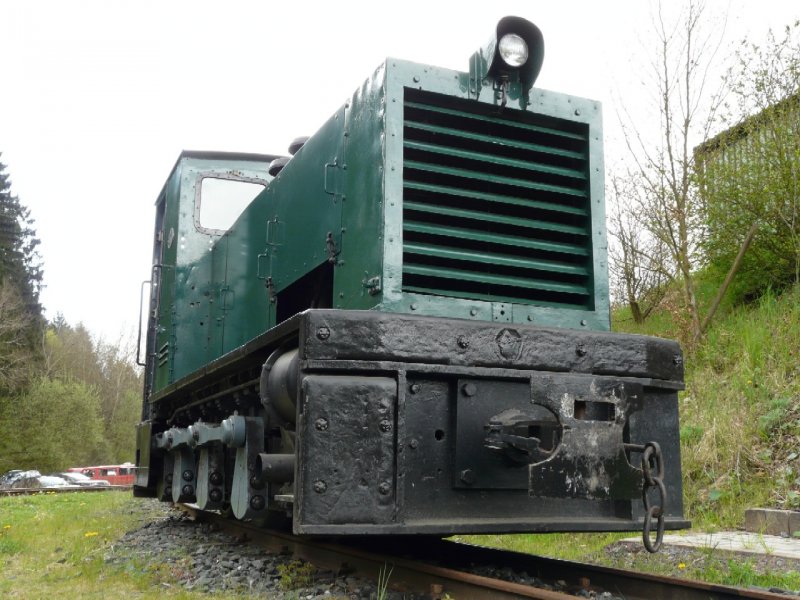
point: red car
(115, 474)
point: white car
(82, 480)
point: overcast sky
(98, 98)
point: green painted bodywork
(339, 205)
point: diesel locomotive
(402, 327)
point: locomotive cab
(406, 328)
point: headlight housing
(514, 54)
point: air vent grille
(495, 204)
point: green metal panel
(305, 204)
(492, 212)
(361, 260)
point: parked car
(115, 474)
(82, 480)
(8, 478)
(39, 481)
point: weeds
(296, 574)
(384, 574)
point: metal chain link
(653, 475)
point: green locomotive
(402, 328)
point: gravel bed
(182, 553)
(198, 556)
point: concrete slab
(768, 520)
(737, 541)
(794, 524)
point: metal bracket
(248, 494)
(373, 285)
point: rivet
(468, 476)
(215, 495)
(584, 322)
(320, 486)
(580, 350)
(187, 490)
(187, 475)
(413, 444)
(215, 478)
(323, 333)
(473, 311)
(414, 388)
(416, 79)
(530, 317)
(257, 502)
(462, 342)
(413, 306)
(577, 112)
(321, 424)
(384, 488)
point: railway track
(447, 569)
(62, 490)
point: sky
(98, 98)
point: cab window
(223, 200)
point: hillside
(740, 413)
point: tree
(667, 206)
(54, 425)
(19, 259)
(751, 171)
(20, 282)
(638, 262)
(15, 345)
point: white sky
(97, 98)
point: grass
(52, 546)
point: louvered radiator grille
(495, 205)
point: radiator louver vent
(495, 205)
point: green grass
(53, 546)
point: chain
(653, 475)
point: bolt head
(384, 488)
(468, 476)
(463, 342)
(187, 490)
(215, 495)
(469, 389)
(257, 503)
(256, 483)
(415, 387)
(320, 486)
(216, 478)
(323, 333)
(580, 350)
(413, 444)
(321, 424)
(187, 475)
(386, 425)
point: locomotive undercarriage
(357, 423)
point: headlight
(513, 55)
(513, 50)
